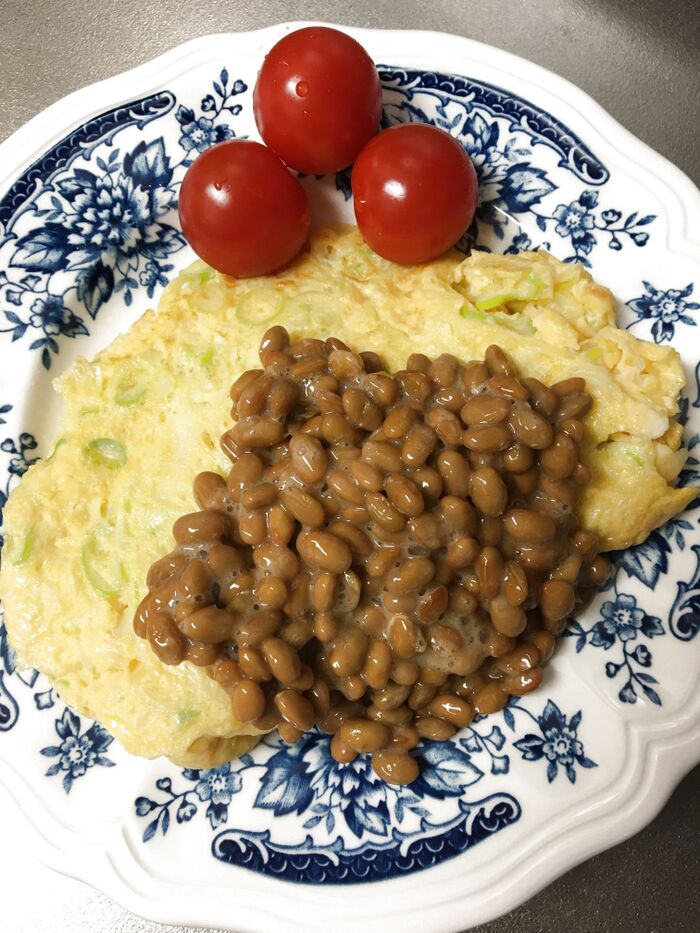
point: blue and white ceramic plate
(285, 838)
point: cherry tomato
(317, 99)
(415, 192)
(241, 209)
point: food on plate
(242, 210)
(415, 192)
(317, 99)
(145, 416)
(388, 553)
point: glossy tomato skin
(317, 99)
(415, 192)
(241, 210)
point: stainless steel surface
(639, 59)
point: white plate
(286, 839)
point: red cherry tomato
(241, 209)
(415, 192)
(317, 99)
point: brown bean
(412, 574)
(361, 410)
(309, 459)
(343, 486)
(400, 716)
(256, 627)
(507, 387)
(342, 752)
(517, 459)
(419, 444)
(522, 658)
(515, 585)
(444, 369)
(209, 625)
(574, 429)
(462, 552)
(543, 399)
(475, 376)
(323, 591)
(523, 683)
(344, 364)
(461, 601)
(253, 398)
(450, 398)
(364, 735)
(490, 699)
(507, 619)
(392, 696)
(418, 363)
(252, 527)
(274, 338)
(432, 604)
(356, 539)
(324, 551)
(248, 701)
(201, 655)
(497, 361)
(259, 432)
(575, 406)
(569, 386)
(485, 409)
(381, 388)
(404, 495)
(394, 767)
(428, 481)
(165, 639)
(427, 530)
(489, 439)
(529, 526)
(398, 421)
(303, 506)
(383, 455)
(209, 489)
(421, 695)
(200, 528)
(458, 514)
(446, 425)
(404, 637)
(271, 593)
(348, 652)
(455, 472)
(381, 560)
(253, 664)
(556, 599)
(531, 428)
(258, 497)
(383, 512)
(295, 709)
(377, 665)
(433, 676)
(415, 385)
(405, 671)
(488, 491)
(543, 641)
(526, 483)
(247, 470)
(325, 627)
(404, 738)
(164, 569)
(452, 709)
(599, 571)
(560, 459)
(338, 429)
(489, 572)
(436, 729)
(282, 659)
(366, 476)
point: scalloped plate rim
(662, 767)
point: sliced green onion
(103, 576)
(59, 443)
(184, 716)
(530, 288)
(197, 272)
(259, 306)
(105, 451)
(130, 390)
(207, 357)
(25, 551)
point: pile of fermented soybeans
(389, 554)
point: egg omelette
(144, 417)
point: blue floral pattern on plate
(93, 224)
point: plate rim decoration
(658, 751)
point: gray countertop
(640, 61)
